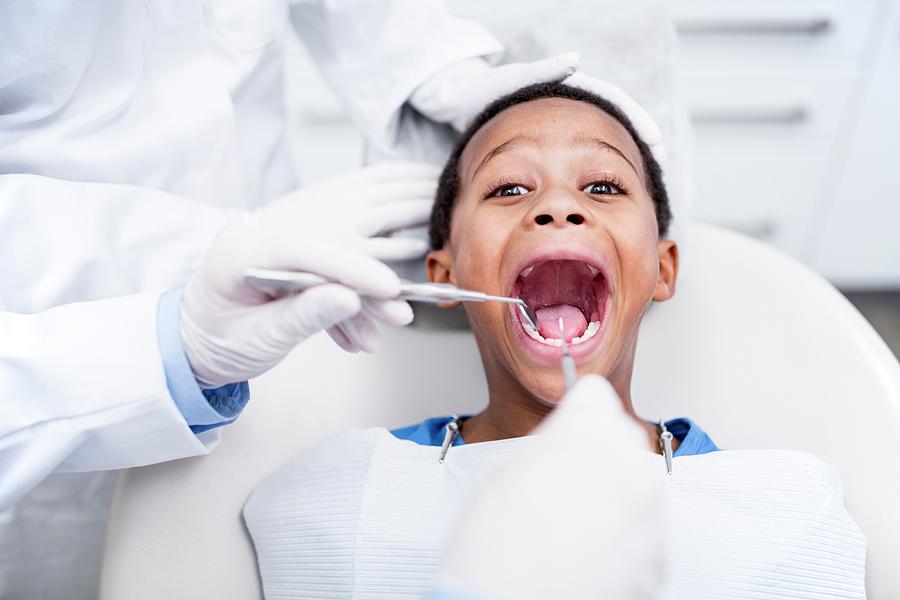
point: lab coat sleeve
(375, 54)
(84, 389)
(202, 409)
(65, 241)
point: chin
(549, 394)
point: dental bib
(365, 515)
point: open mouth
(572, 290)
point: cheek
(478, 241)
(636, 241)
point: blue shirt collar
(692, 439)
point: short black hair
(448, 185)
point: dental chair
(761, 351)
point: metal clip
(450, 432)
(665, 444)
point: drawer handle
(811, 26)
(787, 115)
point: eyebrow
(507, 145)
(578, 141)
(604, 145)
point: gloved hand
(459, 92)
(233, 331)
(643, 123)
(577, 515)
(362, 208)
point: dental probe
(431, 293)
(665, 444)
(568, 363)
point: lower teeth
(590, 332)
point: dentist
(132, 135)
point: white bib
(365, 515)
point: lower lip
(553, 354)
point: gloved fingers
(593, 400)
(553, 69)
(340, 338)
(362, 332)
(318, 309)
(499, 81)
(379, 220)
(386, 193)
(590, 392)
(399, 170)
(643, 123)
(612, 509)
(340, 263)
(510, 77)
(390, 312)
(395, 249)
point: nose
(558, 209)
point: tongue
(574, 322)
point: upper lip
(547, 252)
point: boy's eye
(600, 187)
(510, 190)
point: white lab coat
(129, 132)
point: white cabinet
(779, 94)
(807, 29)
(859, 245)
(762, 143)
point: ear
(668, 270)
(439, 266)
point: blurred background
(782, 119)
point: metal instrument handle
(434, 293)
(273, 279)
(296, 281)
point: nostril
(575, 219)
(543, 219)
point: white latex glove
(577, 515)
(459, 92)
(233, 331)
(361, 209)
(643, 123)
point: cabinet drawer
(774, 199)
(796, 111)
(769, 27)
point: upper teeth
(592, 328)
(527, 271)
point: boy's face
(553, 207)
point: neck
(513, 411)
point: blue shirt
(692, 440)
(202, 409)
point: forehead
(549, 123)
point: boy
(550, 196)
(576, 225)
